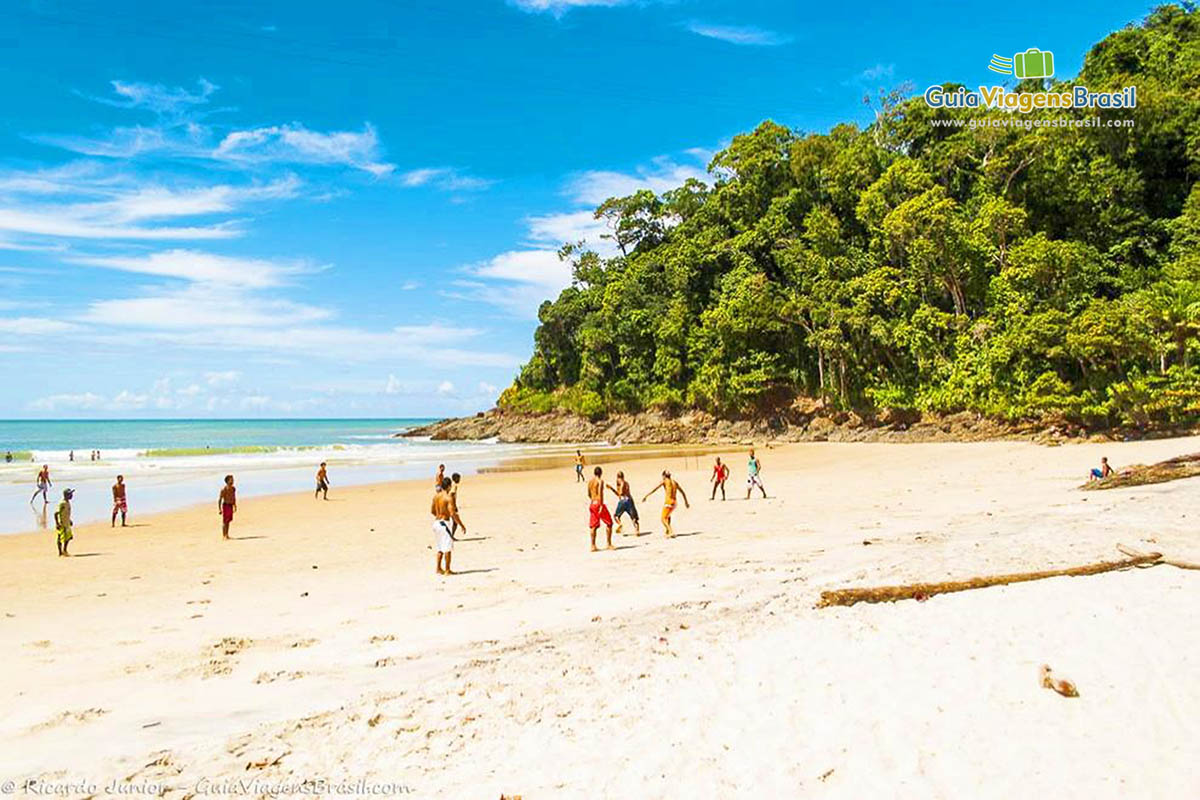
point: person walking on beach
(579, 462)
(444, 513)
(441, 476)
(322, 482)
(119, 504)
(669, 486)
(625, 505)
(62, 523)
(597, 510)
(719, 476)
(43, 485)
(458, 523)
(753, 478)
(227, 505)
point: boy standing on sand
(719, 476)
(669, 487)
(119, 504)
(62, 523)
(752, 476)
(43, 485)
(443, 512)
(579, 462)
(597, 511)
(458, 523)
(441, 476)
(227, 505)
(322, 482)
(625, 504)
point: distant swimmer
(444, 515)
(441, 476)
(597, 510)
(458, 523)
(119, 504)
(227, 505)
(1103, 472)
(579, 462)
(62, 522)
(625, 504)
(8, 457)
(720, 474)
(322, 482)
(669, 486)
(754, 476)
(43, 485)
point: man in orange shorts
(669, 486)
(597, 511)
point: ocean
(169, 464)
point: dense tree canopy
(912, 264)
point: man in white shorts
(444, 513)
(753, 478)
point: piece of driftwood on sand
(1187, 466)
(921, 591)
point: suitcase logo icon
(1033, 63)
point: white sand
(689, 668)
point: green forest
(1019, 273)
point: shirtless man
(625, 504)
(720, 474)
(119, 504)
(1103, 472)
(62, 523)
(227, 505)
(579, 462)
(322, 482)
(597, 511)
(458, 523)
(441, 476)
(43, 485)
(444, 513)
(753, 478)
(669, 486)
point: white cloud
(158, 98)
(595, 186)
(878, 71)
(559, 7)
(488, 389)
(66, 222)
(555, 230)
(445, 388)
(201, 306)
(86, 401)
(739, 34)
(200, 267)
(223, 378)
(295, 143)
(444, 178)
(33, 326)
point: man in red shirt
(720, 474)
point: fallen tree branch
(1173, 469)
(1129, 551)
(890, 594)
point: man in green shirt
(62, 521)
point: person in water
(625, 505)
(670, 487)
(43, 485)
(119, 504)
(227, 505)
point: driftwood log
(921, 591)
(1173, 469)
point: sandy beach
(319, 645)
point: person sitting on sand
(458, 523)
(322, 482)
(625, 504)
(227, 505)
(444, 513)
(62, 523)
(119, 504)
(1103, 472)
(579, 462)
(753, 476)
(43, 485)
(720, 474)
(669, 486)
(597, 510)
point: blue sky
(304, 209)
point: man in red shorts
(597, 511)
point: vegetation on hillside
(1048, 272)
